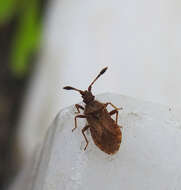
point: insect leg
(114, 112)
(109, 103)
(83, 130)
(78, 107)
(75, 119)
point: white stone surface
(149, 156)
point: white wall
(138, 40)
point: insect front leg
(78, 107)
(83, 130)
(75, 119)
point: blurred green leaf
(7, 8)
(26, 39)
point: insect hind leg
(83, 132)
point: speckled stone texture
(148, 158)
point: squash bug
(105, 131)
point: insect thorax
(93, 106)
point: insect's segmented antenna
(101, 73)
(72, 88)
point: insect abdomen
(107, 142)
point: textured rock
(149, 156)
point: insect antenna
(101, 73)
(72, 88)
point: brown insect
(105, 131)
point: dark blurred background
(20, 37)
